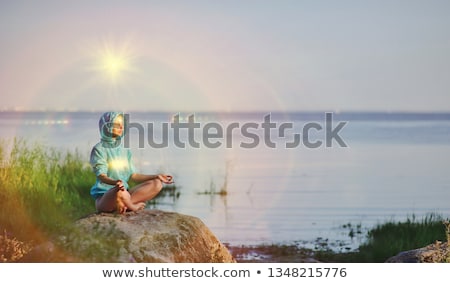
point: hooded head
(106, 125)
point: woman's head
(112, 126)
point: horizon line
(362, 111)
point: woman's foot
(120, 205)
(138, 206)
(123, 202)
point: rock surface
(437, 252)
(146, 236)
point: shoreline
(272, 254)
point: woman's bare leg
(107, 202)
(116, 199)
(146, 191)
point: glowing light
(47, 122)
(118, 164)
(113, 62)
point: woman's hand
(119, 184)
(167, 179)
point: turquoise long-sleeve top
(110, 157)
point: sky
(225, 55)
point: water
(394, 166)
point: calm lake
(392, 166)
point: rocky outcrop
(437, 252)
(145, 236)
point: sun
(113, 62)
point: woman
(113, 167)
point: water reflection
(168, 196)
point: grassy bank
(390, 238)
(383, 242)
(43, 191)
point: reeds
(390, 238)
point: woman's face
(117, 129)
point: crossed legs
(120, 200)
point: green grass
(384, 241)
(390, 238)
(42, 190)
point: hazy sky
(225, 55)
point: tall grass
(390, 238)
(42, 190)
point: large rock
(437, 252)
(146, 236)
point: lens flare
(113, 62)
(113, 65)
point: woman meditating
(113, 166)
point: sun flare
(113, 63)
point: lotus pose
(112, 164)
